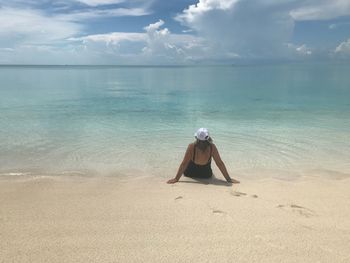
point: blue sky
(173, 31)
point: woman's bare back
(201, 157)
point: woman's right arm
(183, 165)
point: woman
(197, 160)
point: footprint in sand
(216, 211)
(236, 193)
(303, 211)
(220, 213)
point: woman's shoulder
(191, 145)
(213, 146)
(190, 148)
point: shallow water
(276, 120)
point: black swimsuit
(199, 171)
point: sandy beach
(143, 219)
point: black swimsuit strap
(211, 150)
(194, 153)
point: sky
(173, 32)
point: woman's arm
(183, 165)
(222, 166)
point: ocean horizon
(278, 120)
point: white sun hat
(202, 134)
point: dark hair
(203, 145)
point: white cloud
(189, 14)
(20, 26)
(217, 30)
(159, 43)
(156, 45)
(332, 26)
(320, 9)
(343, 49)
(100, 2)
(96, 13)
(32, 26)
(46, 54)
(90, 3)
(6, 49)
(112, 38)
(257, 29)
(338, 25)
(301, 50)
(31, 34)
(153, 27)
(250, 29)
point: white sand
(87, 219)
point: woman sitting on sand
(197, 160)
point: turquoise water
(277, 120)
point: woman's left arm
(222, 166)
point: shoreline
(253, 174)
(119, 219)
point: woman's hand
(233, 181)
(172, 181)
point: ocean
(281, 120)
